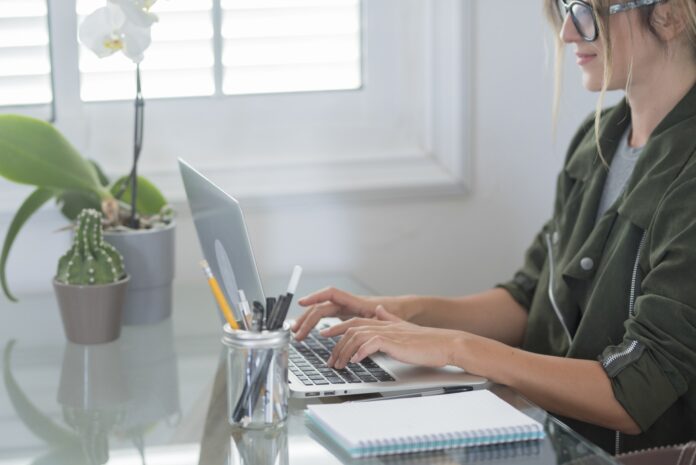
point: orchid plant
(123, 25)
(34, 152)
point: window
(263, 46)
(25, 64)
(291, 45)
(398, 126)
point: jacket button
(587, 263)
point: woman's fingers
(311, 317)
(348, 345)
(354, 333)
(402, 341)
(373, 345)
(340, 328)
(329, 294)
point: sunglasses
(584, 16)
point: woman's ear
(667, 21)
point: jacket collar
(585, 160)
(664, 156)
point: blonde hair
(687, 8)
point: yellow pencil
(219, 296)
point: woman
(599, 325)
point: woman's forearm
(574, 388)
(493, 314)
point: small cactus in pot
(90, 260)
(91, 284)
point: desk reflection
(299, 442)
(120, 390)
(263, 447)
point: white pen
(431, 392)
(246, 310)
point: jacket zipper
(552, 298)
(631, 313)
(631, 308)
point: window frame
(435, 161)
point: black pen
(257, 318)
(431, 392)
(282, 306)
(270, 304)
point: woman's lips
(584, 58)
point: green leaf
(103, 179)
(35, 200)
(38, 423)
(34, 152)
(73, 202)
(150, 200)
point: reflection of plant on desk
(86, 443)
(65, 445)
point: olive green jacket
(622, 290)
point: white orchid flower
(137, 11)
(100, 31)
(122, 25)
(136, 41)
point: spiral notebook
(397, 426)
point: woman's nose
(569, 33)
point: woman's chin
(591, 83)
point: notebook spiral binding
(429, 442)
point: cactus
(90, 260)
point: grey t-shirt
(619, 171)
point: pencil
(219, 297)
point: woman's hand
(395, 337)
(331, 302)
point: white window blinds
(25, 65)
(290, 45)
(179, 62)
(263, 46)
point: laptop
(225, 242)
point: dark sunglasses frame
(612, 10)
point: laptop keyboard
(308, 363)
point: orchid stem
(134, 222)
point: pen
(280, 311)
(432, 392)
(219, 297)
(257, 321)
(246, 310)
(270, 305)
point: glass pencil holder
(257, 377)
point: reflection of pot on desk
(126, 386)
(93, 394)
(151, 375)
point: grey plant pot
(148, 256)
(91, 313)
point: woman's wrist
(459, 350)
(482, 356)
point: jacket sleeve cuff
(521, 288)
(638, 382)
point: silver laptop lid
(223, 236)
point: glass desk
(157, 396)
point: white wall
(450, 245)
